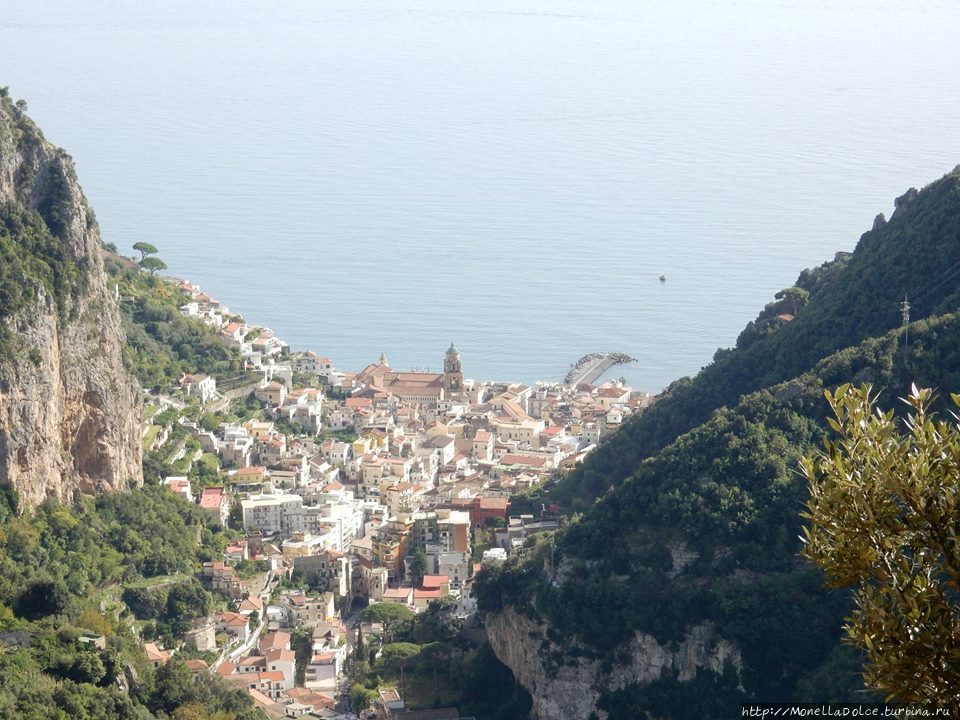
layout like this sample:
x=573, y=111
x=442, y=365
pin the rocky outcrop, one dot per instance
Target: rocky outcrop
x=904, y=201
x=566, y=684
x=69, y=411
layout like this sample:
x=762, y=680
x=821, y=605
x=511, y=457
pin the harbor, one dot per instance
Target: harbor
x=592, y=366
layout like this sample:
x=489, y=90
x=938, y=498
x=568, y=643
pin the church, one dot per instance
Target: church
x=380, y=381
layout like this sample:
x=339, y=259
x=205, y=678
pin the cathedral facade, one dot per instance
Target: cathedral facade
x=379, y=380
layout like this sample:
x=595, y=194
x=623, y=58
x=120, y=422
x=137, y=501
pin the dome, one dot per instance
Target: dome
x=453, y=350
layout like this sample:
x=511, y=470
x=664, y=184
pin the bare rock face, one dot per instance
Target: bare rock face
x=69, y=411
x=566, y=685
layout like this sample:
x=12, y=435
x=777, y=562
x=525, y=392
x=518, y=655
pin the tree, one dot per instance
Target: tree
x=388, y=615
x=42, y=597
x=145, y=248
x=361, y=697
x=416, y=565
x=395, y=656
x=436, y=653
x=794, y=297
x=358, y=650
x=884, y=517
x=153, y=265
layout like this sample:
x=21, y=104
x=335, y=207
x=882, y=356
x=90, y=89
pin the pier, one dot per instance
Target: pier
x=590, y=367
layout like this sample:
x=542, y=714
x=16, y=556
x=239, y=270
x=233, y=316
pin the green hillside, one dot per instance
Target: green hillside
x=691, y=512
x=856, y=296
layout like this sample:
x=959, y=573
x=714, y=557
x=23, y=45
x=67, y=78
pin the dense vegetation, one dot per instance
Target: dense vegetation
x=161, y=343
x=33, y=258
x=65, y=571
x=438, y=663
x=690, y=513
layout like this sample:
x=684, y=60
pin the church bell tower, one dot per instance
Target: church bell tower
x=452, y=370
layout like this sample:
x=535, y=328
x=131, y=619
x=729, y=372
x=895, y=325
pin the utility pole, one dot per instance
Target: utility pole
x=905, y=309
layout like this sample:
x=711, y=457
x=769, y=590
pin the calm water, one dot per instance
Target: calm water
x=364, y=176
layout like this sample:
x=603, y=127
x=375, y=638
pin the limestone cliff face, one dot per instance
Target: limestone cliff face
x=69, y=412
x=566, y=685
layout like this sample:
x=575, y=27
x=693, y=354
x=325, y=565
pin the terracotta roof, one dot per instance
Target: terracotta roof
x=212, y=497
x=251, y=603
x=252, y=470
x=432, y=582
x=281, y=654
x=233, y=619
x=275, y=640
x=259, y=698
x=523, y=460
x=251, y=660
x=494, y=503
x=310, y=697
x=155, y=654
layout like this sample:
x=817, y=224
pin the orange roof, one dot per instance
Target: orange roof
x=275, y=654
x=398, y=593
x=310, y=697
x=212, y=497
x=155, y=654
x=251, y=603
x=275, y=640
x=426, y=594
x=523, y=460
x=251, y=660
x=432, y=582
x=494, y=503
x=252, y=470
x=196, y=665
x=226, y=669
x=259, y=698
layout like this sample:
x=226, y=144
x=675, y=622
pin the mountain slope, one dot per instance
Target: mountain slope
x=915, y=255
x=69, y=412
x=683, y=579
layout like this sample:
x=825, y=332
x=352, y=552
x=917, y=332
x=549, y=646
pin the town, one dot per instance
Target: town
x=351, y=490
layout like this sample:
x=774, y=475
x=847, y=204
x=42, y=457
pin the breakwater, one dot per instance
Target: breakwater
x=591, y=366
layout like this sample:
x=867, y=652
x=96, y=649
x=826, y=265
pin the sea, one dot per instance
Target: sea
x=515, y=176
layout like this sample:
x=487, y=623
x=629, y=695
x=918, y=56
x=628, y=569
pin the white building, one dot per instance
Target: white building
x=270, y=513
x=202, y=387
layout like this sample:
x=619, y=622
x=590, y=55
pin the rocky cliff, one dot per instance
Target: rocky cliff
x=567, y=683
x=69, y=412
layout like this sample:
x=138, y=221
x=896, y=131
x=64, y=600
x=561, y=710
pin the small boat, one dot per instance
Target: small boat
x=663, y=278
